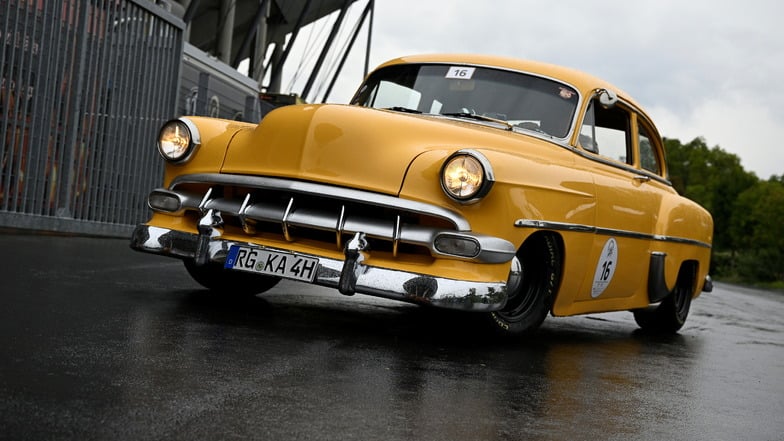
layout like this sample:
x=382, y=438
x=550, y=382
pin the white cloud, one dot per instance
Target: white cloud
x=737, y=126
x=705, y=68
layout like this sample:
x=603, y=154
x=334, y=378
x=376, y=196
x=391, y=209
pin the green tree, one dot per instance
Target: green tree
x=714, y=179
x=758, y=233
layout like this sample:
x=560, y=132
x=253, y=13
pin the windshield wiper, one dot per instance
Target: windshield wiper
x=402, y=109
x=478, y=117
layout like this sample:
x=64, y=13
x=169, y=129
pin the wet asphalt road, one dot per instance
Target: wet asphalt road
x=100, y=342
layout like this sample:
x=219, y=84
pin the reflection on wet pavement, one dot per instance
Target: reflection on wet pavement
x=100, y=342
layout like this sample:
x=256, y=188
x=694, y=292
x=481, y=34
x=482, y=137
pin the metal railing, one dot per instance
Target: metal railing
x=85, y=86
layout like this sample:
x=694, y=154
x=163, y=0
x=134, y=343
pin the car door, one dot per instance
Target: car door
x=627, y=206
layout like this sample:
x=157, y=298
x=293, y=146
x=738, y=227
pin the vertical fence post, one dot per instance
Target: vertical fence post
x=76, y=112
x=74, y=122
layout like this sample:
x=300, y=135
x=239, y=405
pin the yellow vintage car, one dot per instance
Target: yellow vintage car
x=510, y=188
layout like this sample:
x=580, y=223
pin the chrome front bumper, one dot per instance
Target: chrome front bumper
x=349, y=275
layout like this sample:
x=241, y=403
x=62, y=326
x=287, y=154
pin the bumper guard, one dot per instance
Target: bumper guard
x=348, y=276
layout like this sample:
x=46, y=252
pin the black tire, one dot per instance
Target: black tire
x=669, y=316
x=216, y=278
x=540, y=274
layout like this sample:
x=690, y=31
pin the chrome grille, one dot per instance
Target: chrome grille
x=304, y=210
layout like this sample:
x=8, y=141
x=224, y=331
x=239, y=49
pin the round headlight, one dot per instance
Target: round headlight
x=466, y=176
x=177, y=140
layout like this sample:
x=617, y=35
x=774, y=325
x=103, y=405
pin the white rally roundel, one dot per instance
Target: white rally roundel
x=605, y=269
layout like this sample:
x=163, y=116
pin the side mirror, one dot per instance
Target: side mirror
x=607, y=98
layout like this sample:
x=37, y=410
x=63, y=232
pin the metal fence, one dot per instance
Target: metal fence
x=85, y=86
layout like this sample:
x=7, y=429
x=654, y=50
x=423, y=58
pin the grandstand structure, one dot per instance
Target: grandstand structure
x=85, y=86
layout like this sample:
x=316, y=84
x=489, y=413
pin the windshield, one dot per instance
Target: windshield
x=516, y=99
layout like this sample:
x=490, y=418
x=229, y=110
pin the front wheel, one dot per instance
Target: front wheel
x=669, y=316
x=216, y=278
x=533, y=282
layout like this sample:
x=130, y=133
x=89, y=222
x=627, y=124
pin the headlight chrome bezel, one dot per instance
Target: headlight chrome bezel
x=456, y=163
x=190, y=139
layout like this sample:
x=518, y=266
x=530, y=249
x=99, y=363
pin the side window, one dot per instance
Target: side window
x=606, y=132
x=649, y=160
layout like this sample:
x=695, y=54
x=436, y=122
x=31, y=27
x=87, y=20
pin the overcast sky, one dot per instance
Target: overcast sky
x=709, y=68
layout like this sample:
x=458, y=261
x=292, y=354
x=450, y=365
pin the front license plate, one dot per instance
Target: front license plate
x=272, y=263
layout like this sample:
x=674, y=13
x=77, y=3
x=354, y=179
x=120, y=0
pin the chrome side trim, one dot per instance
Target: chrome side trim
x=375, y=281
x=681, y=240
x=580, y=228
x=270, y=183
x=532, y=223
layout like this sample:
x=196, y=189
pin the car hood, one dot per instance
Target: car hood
x=345, y=145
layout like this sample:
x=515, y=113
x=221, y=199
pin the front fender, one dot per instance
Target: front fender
x=216, y=135
x=541, y=187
